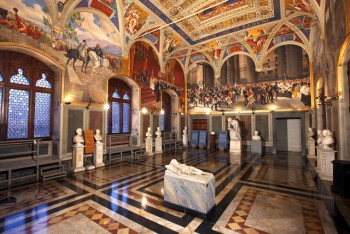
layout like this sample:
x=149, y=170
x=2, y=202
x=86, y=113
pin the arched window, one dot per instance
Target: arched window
x=120, y=113
x=27, y=85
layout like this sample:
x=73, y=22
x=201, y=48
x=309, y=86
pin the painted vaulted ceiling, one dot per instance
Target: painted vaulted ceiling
x=189, y=31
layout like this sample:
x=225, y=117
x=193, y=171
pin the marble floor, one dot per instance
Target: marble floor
x=255, y=193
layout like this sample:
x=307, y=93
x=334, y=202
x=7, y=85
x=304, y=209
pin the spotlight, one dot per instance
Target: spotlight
x=144, y=110
x=106, y=106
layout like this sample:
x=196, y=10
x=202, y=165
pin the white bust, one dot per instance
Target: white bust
x=319, y=137
x=98, y=136
x=185, y=131
x=310, y=134
x=327, y=139
x=233, y=127
x=158, y=133
x=78, y=139
x=148, y=133
x=256, y=136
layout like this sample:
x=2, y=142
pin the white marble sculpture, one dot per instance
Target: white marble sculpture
x=148, y=133
x=78, y=139
x=98, y=136
x=327, y=139
x=319, y=137
x=235, y=130
x=158, y=133
x=180, y=169
x=310, y=134
x=185, y=137
x=256, y=136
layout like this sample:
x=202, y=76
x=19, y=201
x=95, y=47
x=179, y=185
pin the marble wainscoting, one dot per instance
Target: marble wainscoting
x=195, y=194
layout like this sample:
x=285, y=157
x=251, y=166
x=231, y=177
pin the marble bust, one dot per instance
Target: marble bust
x=327, y=139
x=158, y=133
x=185, y=131
x=148, y=133
x=98, y=136
x=183, y=169
x=233, y=127
x=319, y=137
x=78, y=139
x=310, y=134
x=256, y=136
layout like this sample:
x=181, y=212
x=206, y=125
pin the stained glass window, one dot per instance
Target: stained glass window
x=0, y=100
x=162, y=122
x=18, y=114
x=126, y=96
x=1, y=79
x=116, y=117
x=116, y=94
x=126, y=117
x=43, y=83
x=19, y=78
x=42, y=114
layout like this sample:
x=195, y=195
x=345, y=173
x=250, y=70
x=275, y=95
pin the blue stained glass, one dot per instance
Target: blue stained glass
x=19, y=78
x=0, y=100
x=18, y=114
x=43, y=83
x=42, y=115
x=126, y=96
x=126, y=117
x=116, y=94
x=115, y=117
x=1, y=79
x=162, y=120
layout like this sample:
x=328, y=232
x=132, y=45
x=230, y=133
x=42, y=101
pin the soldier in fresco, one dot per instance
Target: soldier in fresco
x=99, y=52
x=82, y=49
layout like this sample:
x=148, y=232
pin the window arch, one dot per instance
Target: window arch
x=120, y=113
x=166, y=117
x=26, y=89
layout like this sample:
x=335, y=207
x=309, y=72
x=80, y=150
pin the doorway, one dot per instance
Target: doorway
x=288, y=135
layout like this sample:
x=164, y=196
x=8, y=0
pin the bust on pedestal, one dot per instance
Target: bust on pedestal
x=235, y=136
x=185, y=137
x=78, y=151
x=256, y=146
x=327, y=155
x=158, y=142
x=311, y=145
x=98, y=151
x=148, y=140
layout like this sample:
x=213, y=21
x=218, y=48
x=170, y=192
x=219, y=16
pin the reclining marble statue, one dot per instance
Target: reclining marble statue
x=183, y=169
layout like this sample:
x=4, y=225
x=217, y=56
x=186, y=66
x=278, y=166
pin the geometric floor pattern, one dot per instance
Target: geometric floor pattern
x=254, y=193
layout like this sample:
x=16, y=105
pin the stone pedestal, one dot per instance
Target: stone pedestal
x=158, y=146
x=311, y=156
x=318, y=160
x=256, y=146
x=149, y=146
x=193, y=194
x=235, y=158
x=327, y=156
x=185, y=140
x=98, y=155
x=78, y=158
x=236, y=146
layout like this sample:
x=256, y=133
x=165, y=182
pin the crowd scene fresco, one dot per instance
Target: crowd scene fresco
x=250, y=95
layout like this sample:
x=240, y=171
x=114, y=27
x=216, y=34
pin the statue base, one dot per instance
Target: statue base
x=256, y=146
x=90, y=167
x=158, y=146
x=185, y=140
x=236, y=146
x=98, y=155
x=194, y=194
x=327, y=156
x=319, y=159
x=311, y=148
x=149, y=146
x=78, y=158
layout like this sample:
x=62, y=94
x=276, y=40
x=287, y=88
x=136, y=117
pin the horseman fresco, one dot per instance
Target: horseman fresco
x=99, y=52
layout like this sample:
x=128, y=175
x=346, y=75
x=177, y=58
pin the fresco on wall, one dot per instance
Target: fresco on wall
x=274, y=88
x=304, y=24
x=256, y=38
x=285, y=33
x=171, y=42
x=134, y=18
x=234, y=47
x=293, y=6
x=213, y=49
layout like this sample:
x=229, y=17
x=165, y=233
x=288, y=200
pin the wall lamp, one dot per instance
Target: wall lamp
x=67, y=103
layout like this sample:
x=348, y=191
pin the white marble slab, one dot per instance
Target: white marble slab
x=236, y=146
x=195, y=192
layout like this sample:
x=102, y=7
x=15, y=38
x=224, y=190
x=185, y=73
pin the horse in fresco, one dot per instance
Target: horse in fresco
x=74, y=54
x=97, y=62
